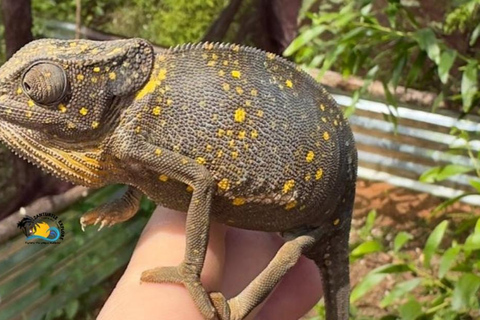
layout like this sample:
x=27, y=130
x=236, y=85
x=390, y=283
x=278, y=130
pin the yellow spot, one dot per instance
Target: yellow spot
x=322, y=107
x=156, y=111
x=324, y=119
x=219, y=153
x=208, y=46
x=225, y=63
x=211, y=63
x=226, y=86
x=240, y=115
x=229, y=133
x=189, y=189
x=308, y=177
x=292, y=204
x=289, y=184
x=202, y=103
x=236, y=74
x=239, y=201
x=248, y=103
x=71, y=125
x=62, y=108
x=224, y=184
x=234, y=154
x=169, y=102
x=30, y=103
x=241, y=134
x=289, y=83
x=260, y=113
x=19, y=90
x=208, y=148
x=158, y=151
x=214, y=56
x=184, y=161
x=95, y=124
x=239, y=90
x=254, y=134
x=236, y=48
x=254, y=92
x=163, y=178
x=318, y=174
x=83, y=111
x=201, y=160
x=28, y=114
x=220, y=132
x=335, y=123
x=80, y=77
x=326, y=136
x=310, y=156
x=94, y=79
x=73, y=44
x=96, y=69
x=176, y=148
x=336, y=222
x=138, y=129
x=112, y=76
x=221, y=73
x=270, y=55
x=231, y=143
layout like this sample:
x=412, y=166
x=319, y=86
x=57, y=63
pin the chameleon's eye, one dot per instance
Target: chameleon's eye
x=45, y=83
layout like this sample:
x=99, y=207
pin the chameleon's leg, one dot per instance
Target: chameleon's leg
x=118, y=210
x=287, y=256
x=188, y=171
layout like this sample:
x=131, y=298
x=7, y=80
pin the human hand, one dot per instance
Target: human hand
x=234, y=258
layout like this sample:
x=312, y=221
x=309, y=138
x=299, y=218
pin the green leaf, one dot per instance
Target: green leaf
x=366, y=248
x=399, y=291
x=72, y=308
x=465, y=292
x=397, y=71
x=451, y=201
x=400, y=240
x=447, y=260
x=475, y=34
x=428, y=42
x=393, y=268
x=304, y=38
x=442, y=173
x=433, y=242
x=446, y=62
x=469, y=84
x=475, y=184
x=473, y=241
x=410, y=310
x=365, y=285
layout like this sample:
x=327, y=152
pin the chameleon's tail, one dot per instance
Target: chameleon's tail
x=332, y=260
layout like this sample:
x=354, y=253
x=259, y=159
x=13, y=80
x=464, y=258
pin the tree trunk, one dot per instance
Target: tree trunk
x=17, y=18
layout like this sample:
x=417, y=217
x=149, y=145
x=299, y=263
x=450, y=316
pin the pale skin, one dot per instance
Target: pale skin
x=234, y=258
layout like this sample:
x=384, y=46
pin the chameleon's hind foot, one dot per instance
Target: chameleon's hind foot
x=221, y=305
x=190, y=280
x=113, y=212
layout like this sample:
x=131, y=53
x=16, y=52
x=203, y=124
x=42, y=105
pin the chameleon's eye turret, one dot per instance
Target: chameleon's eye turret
x=45, y=83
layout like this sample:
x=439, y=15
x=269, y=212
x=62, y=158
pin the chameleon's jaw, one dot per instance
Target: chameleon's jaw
x=80, y=167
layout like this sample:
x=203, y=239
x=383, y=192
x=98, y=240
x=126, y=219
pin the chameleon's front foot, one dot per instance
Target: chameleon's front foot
x=110, y=213
x=190, y=279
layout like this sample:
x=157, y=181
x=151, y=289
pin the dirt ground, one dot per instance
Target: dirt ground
x=398, y=209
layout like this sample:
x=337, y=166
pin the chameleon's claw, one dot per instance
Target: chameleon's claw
x=103, y=224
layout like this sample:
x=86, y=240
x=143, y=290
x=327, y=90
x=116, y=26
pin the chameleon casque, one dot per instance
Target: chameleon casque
x=224, y=132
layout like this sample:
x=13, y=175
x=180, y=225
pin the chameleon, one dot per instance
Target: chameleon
x=223, y=132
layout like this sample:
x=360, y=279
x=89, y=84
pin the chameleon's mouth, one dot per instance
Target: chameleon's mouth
x=80, y=167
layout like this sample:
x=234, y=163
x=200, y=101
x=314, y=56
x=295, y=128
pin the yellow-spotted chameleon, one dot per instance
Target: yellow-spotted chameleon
x=224, y=132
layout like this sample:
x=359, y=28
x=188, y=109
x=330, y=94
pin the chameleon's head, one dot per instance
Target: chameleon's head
x=65, y=89
x=58, y=99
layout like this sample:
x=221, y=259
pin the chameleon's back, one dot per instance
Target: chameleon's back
x=272, y=137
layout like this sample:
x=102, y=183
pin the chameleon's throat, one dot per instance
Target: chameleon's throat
x=83, y=167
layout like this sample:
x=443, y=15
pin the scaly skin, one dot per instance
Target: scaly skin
x=227, y=133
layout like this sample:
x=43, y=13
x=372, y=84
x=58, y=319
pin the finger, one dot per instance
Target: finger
x=162, y=243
